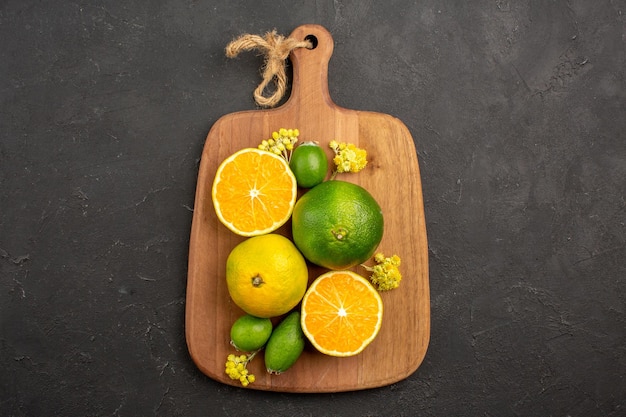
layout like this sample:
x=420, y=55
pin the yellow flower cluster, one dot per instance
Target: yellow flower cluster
x=385, y=274
x=236, y=368
x=348, y=158
x=281, y=143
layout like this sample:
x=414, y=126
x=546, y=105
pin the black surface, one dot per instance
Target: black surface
x=517, y=109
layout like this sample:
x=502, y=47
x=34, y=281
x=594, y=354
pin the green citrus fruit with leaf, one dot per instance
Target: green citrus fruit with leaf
x=266, y=275
x=249, y=333
x=309, y=164
x=337, y=225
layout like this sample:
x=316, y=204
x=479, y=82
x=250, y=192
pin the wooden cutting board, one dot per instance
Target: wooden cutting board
x=392, y=176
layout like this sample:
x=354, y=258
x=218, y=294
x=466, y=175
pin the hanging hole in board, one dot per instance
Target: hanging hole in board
x=312, y=39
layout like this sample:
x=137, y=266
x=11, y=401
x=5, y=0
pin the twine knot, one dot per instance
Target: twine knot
x=276, y=48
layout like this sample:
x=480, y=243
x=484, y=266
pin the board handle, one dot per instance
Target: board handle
x=310, y=67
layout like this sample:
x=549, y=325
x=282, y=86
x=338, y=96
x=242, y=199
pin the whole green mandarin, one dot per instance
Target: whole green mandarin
x=309, y=164
x=250, y=333
x=337, y=225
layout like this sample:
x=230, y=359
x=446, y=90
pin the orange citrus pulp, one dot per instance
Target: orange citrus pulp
x=341, y=313
x=254, y=192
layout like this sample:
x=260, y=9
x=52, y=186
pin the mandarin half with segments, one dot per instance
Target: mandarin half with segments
x=341, y=313
x=254, y=192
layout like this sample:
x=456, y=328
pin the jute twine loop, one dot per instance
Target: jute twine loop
x=276, y=48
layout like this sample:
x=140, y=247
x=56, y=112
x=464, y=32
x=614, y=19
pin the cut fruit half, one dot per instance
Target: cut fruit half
x=254, y=192
x=341, y=313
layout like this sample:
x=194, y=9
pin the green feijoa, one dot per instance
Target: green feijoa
x=309, y=164
x=285, y=345
x=250, y=333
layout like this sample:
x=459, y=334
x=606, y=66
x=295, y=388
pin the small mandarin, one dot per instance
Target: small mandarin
x=309, y=164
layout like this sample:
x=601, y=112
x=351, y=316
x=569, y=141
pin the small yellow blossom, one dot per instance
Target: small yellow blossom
x=385, y=274
x=281, y=142
x=235, y=368
x=348, y=158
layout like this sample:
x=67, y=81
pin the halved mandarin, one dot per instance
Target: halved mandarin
x=254, y=192
x=341, y=313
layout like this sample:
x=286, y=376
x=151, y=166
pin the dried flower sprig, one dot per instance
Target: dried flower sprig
x=236, y=368
x=386, y=273
x=281, y=143
x=348, y=158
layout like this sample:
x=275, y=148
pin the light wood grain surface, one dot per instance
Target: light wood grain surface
x=392, y=177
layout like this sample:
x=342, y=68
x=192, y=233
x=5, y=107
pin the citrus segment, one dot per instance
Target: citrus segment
x=341, y=313
x=254, y=192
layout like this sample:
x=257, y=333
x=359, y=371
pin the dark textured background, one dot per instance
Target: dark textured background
x=517, y=109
